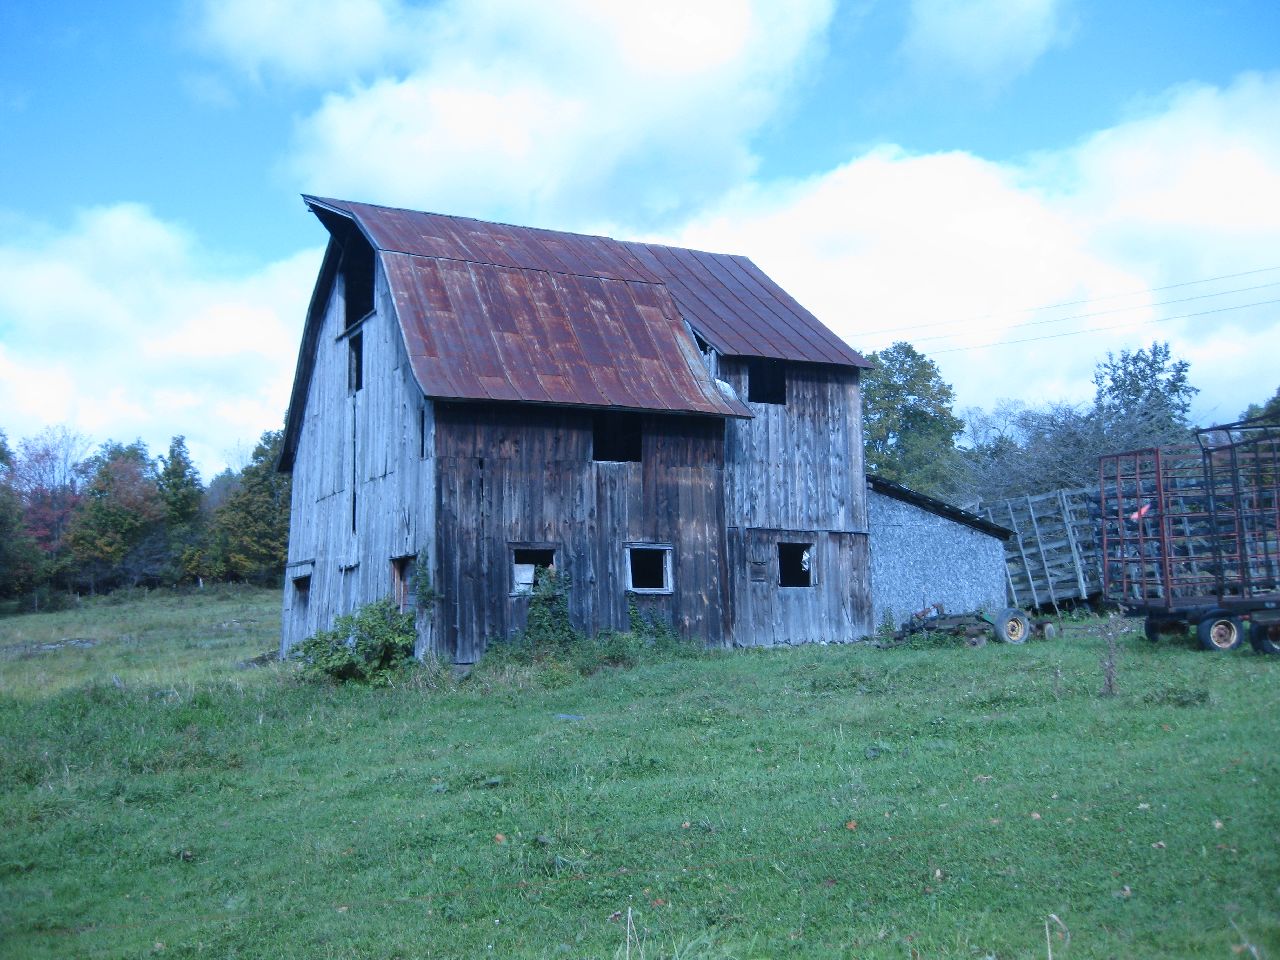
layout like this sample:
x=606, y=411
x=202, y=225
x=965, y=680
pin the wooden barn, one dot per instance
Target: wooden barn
x=666, y=426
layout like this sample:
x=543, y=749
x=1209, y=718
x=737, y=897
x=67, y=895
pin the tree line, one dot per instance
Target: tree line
x=75, y=519
x=1142, y=398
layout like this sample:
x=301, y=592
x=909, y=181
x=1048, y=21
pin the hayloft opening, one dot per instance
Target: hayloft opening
x=527, y=563
x=649, y=569
x=616, y=437
x=357, y=278
x=795, y=564
x=766, y=380
x=355, y=362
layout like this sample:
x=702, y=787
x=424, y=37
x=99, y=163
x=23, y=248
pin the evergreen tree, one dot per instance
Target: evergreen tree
x=183, y=495
x=1143, y=397
x=1270, y=410
x=20, y=557
x=251, y=527
x=909, y=428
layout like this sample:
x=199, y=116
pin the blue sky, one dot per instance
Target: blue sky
x=930, y=170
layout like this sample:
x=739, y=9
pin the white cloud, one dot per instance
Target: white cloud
x=541, y=113
x=987, y=40
x=303, y=41
x=115, y=327
x=899, y=246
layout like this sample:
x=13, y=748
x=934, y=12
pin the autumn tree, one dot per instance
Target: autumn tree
x=117, y=530
x=251, y=527
x=48, y=474
x=908, y=425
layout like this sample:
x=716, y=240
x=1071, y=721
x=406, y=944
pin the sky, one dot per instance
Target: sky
x=1017, y=187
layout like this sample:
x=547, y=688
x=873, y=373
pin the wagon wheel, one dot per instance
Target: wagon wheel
x=1012, y=626
x=1221, y=632
x=1265, y=637
x=976, y=640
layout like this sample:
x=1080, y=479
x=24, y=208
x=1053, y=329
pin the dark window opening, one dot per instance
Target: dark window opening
x=355, y=362
x=527, y=564
x=616, y=437
x=766, y=380
x=403, y=573
x=795, y=564
x=649, y=569
x=357, y=279
x=301, y=592
x=703, y=346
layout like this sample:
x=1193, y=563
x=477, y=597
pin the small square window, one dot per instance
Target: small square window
x=616, y=437
x=795, y=564
x=526, y=564
x=404, y=571
x=648, y=569
x=301, y=592
x=766, y=380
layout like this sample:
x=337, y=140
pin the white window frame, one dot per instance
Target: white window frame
x=668, y=567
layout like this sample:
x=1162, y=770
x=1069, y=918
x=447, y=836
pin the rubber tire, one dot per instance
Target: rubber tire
x=1049, y=631
x=1012, y=626
x=1265, y=637
x=1228, y=629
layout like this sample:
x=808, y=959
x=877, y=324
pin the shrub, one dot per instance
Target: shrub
x=368, y=646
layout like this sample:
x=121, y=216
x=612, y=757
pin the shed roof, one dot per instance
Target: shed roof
x=935, y=506
x=727, y=300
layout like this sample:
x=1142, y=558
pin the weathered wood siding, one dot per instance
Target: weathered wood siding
x=795, y=473
x=919, y=558
x=523, y=475
x=833, y=609
x=369, y=442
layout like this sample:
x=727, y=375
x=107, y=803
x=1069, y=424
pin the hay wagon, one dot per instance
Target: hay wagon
x=1189, y=535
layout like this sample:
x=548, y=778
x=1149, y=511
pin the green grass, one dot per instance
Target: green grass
x=811, y=802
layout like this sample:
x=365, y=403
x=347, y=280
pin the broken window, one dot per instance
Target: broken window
x=795, y=564
x=766, y=380
x=301, y=592
x=649, y=569
x=527, y=563
x=403, y=574
x=616, y=437
x=355, y=362
x=357, y=279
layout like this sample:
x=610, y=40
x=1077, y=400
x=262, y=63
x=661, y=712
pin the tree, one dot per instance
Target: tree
x=182, y=495
x=117, y=531
x=1143, y=397
x=48, y=475
x=1270, y=409
x=251, y=527
x=909, y=429
x=20, y=558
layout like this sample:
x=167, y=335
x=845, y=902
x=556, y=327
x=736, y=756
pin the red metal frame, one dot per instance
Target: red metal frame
x=1194, y=527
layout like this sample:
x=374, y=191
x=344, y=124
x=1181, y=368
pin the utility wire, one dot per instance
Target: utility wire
x=1076, y=303
x=1103, y=313
x=1121, y=326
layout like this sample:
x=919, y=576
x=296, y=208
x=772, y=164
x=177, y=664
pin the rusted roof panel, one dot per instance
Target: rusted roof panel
x=480, y=331
x=727, y=299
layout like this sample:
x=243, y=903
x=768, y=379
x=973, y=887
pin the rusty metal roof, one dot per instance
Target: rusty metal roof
x=494, y=311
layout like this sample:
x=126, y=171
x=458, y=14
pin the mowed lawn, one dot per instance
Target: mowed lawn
x=163, y=795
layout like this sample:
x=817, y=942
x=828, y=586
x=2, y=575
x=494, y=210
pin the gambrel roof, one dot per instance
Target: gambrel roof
x=498, y=312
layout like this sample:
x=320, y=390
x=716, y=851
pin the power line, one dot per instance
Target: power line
x=1121, y=326
x=1076, y=303
x=1103, y=313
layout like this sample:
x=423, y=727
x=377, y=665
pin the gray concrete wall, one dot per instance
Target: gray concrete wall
x=919, y=558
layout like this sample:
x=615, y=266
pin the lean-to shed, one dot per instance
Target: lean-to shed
x=474, y=401
x=926, y=551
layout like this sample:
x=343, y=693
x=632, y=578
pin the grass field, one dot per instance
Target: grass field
x=162, y=795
